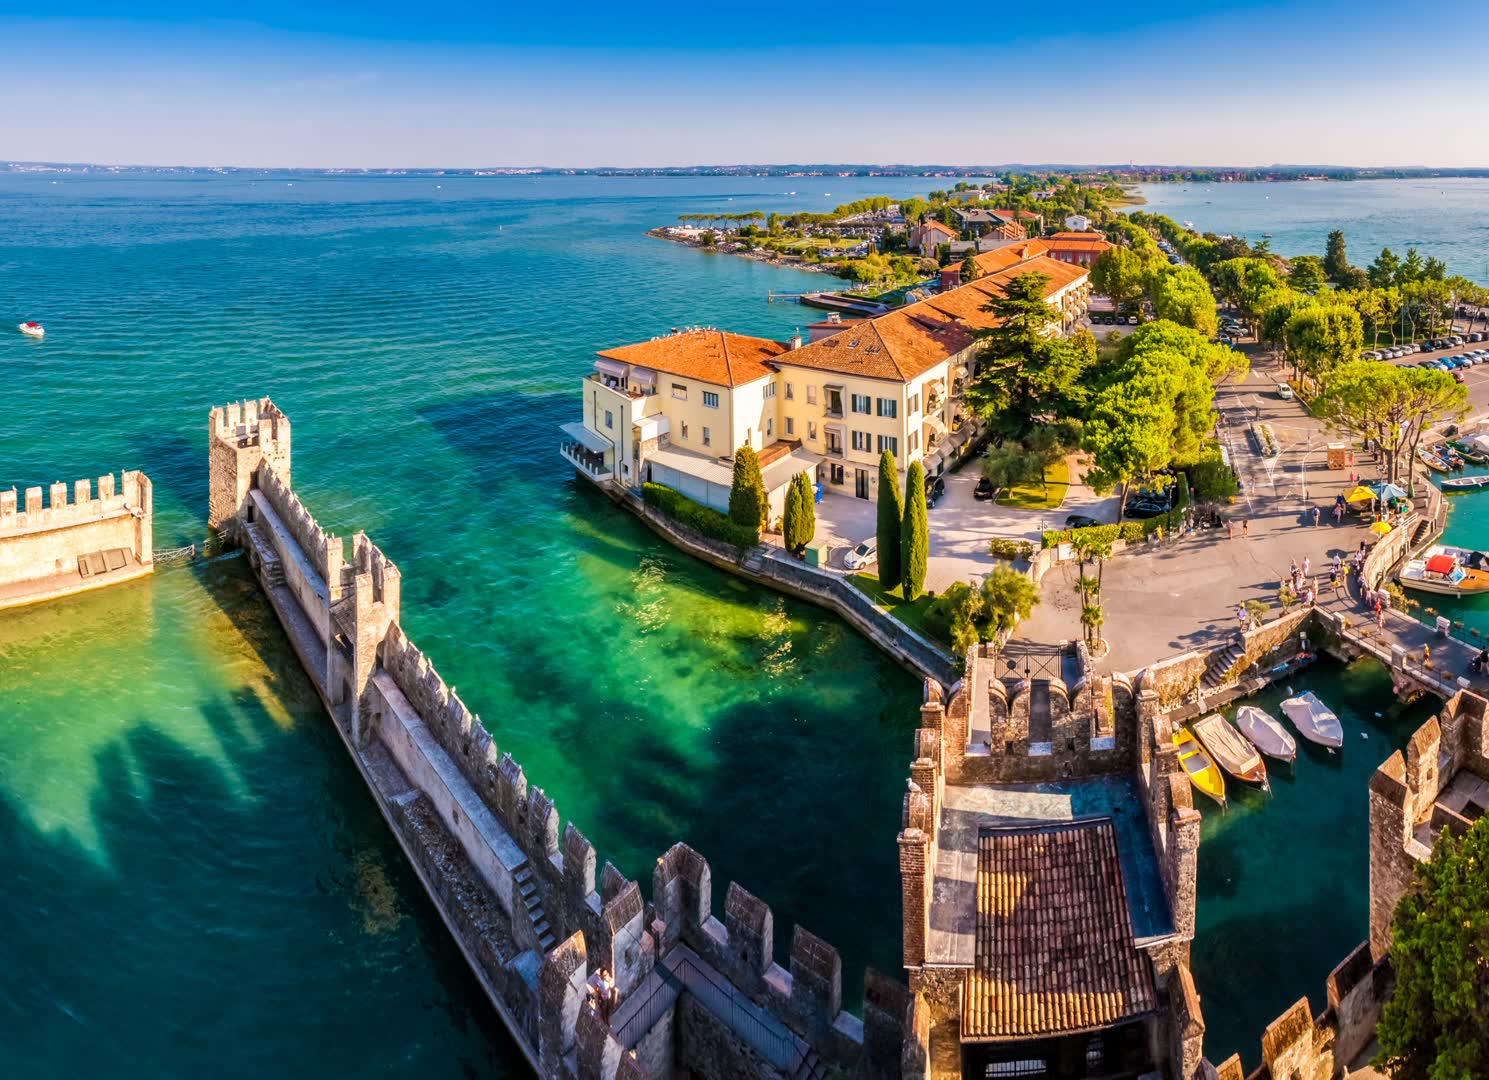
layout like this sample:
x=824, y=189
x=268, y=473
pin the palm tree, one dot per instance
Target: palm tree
x=1091, y=620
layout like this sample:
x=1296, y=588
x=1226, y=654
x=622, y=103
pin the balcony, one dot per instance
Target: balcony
x=586, y=451
x=636, y=393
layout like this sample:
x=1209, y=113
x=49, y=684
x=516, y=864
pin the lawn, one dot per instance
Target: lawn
x=911, y=614
x=1034, y=497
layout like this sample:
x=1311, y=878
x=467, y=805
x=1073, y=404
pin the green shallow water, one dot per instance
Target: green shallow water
x=1284, y=877
x=196, y=865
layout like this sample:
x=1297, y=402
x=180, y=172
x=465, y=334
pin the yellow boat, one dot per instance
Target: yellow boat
x=1203, y=773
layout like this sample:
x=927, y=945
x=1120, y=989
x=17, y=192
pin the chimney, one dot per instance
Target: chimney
x=796, y=341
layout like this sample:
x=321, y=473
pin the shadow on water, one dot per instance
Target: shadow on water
x=267, y=895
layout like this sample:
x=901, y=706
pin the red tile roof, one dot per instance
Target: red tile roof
x=712, y=356
x=1055, y=952
x=947, y=229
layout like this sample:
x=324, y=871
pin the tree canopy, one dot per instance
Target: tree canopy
x=1436, y=1024
x=1182, y=295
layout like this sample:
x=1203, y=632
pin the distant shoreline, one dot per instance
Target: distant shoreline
x=768, y=258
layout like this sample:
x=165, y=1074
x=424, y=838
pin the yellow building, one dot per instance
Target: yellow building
x=675, y=409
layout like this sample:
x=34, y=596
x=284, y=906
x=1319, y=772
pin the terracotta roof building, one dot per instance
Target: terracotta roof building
x=1082, y=249
x=1055, y=952
x=713, y=356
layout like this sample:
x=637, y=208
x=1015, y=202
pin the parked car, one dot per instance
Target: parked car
x=1080, y=521
x=1284, y=391
x=1477, y=335
x=1458, y=377
x=1147, y=503
x=983, y=490
x=1132, y=320
x=862, y=555
x=935, y=487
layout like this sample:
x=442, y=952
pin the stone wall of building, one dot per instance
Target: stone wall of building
x=41, y=539
x=240, y=436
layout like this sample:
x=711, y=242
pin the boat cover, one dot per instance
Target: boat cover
x=1266, y=733
x=1314, y=719
x=1440, y=564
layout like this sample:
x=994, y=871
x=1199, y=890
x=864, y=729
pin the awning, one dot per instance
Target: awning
x=652, y=427
x=643, y=376
x=586, y=438
x=931, y=463
x=779, y=473
x=612, y=367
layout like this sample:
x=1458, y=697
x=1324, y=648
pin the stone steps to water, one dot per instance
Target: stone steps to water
x=1220, y=665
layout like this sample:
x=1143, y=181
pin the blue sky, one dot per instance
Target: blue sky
x=464, y=84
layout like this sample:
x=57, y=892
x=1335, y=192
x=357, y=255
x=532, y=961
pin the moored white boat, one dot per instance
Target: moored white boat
x=1231, y=752
x=1465, y=483
x=1433, y=462
x=1266, y=733
x=32, y=329
x=1315, y=720
x=1448, y=571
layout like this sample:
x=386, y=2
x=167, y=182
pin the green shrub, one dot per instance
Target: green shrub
x=889, y=511
x=800, y=522
x=1000, y=548
x=696, y=516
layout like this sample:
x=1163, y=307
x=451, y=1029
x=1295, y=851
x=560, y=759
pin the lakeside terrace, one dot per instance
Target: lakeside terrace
x=677, y=407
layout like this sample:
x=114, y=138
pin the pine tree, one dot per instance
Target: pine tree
x=888, y=532
x=915, y=540
x=747, y=502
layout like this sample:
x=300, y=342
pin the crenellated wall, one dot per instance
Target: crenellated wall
x=527, y=900
x=55, y=547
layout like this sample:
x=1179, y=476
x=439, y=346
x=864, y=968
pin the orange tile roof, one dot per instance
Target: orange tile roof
x=1008, y=254
x=1086, y=234
x=1078, y=242
x=1054, y=945
x=910, y=340
x=712, y=356
x=947, y=229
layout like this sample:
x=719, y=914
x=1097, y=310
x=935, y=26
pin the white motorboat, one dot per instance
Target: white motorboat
x=1314, y=719
x=1266, y=733
x=32, y=329
x=1450, y=571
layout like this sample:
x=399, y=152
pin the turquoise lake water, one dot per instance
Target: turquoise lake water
x=1443, y=217
x=196, y=879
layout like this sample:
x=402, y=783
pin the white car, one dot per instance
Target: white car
x=862, y=555
x=1284, y=391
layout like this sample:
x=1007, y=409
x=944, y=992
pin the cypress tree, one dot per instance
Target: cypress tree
x=888, y=532
x=915, y=540
x=801, y=516
x=747, y=502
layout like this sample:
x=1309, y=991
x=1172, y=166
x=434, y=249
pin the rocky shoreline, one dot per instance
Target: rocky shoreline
x=768, y=258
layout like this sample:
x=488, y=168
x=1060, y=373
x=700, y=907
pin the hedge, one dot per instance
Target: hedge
x=1131, y=531
x=696, y=516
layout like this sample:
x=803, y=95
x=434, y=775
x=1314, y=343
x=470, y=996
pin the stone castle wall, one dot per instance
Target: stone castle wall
x=526, y=899
x=41, y=540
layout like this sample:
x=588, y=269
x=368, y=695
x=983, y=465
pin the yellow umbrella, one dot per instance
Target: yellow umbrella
x=1380, y=528
x=1359, y=494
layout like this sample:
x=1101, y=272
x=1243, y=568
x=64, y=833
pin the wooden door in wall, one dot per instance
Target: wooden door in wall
x=861, y=483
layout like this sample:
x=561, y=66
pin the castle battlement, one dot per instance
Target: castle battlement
x=327, y=553
x=133, y=496
x=252, y=422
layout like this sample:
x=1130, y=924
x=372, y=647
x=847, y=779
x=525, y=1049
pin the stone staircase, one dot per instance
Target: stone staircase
x=532, y=902
x=270, y=564
x=1220, y=665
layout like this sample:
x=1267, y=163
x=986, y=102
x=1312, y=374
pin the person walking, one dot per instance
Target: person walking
x=1230, y=530
x=1245, y=528
x=1306, y=563
x=1315, y=517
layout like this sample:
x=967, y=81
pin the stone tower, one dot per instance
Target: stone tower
x=243, y=434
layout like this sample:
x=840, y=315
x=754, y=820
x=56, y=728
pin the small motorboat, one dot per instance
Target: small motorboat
x=1451, y=571
x=1266, y=733
x=32, y=329
x=1233, y=753
x=1450, y=456
x=1465, y=483
x=1433, y=461
x=1199, y=766
x=1470, y=452
x=1314, y=719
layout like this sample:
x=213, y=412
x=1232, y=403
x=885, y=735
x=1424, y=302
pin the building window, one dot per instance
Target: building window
x=862, y=403
x=790, y=392
x=770, y=390
x=861, y=440
x=707, y=437
x=811, y=431
x=770, y=428
x=609, y=419
x=811, y=394
x=914, y=404
x=710, y=399
x=835, y=473
x=790, y=426
x=680, y=391
x=890, y=443
x=888, y=407
x=684, y=429
x=914, y=441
